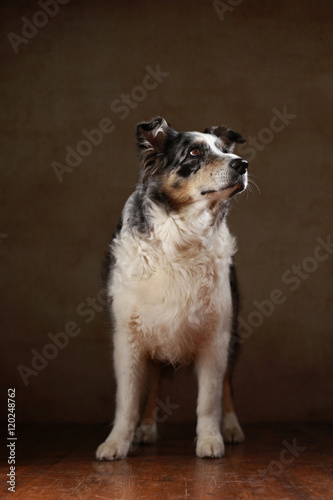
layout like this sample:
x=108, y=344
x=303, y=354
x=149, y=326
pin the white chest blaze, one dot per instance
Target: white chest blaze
x=171, y=289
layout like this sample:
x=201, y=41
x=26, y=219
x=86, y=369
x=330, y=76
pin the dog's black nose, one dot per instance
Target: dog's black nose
x=239, y=165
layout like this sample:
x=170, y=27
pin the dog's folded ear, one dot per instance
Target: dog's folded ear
x=153, y=133
x=228, y=136
x=151, y=138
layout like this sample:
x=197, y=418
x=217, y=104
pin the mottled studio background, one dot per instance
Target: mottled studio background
x=240, y=65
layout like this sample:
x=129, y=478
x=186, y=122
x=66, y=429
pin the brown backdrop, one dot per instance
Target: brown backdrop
x=263, y=68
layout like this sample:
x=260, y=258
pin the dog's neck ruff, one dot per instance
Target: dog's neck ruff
x=184, y=229
x=190, y=236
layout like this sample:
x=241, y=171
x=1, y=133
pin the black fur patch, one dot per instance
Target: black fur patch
x=161, y=198
x=234, y=341
x=187, y=169
x=109, y=259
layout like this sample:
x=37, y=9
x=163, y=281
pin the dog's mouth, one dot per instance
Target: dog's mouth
x=236, y=187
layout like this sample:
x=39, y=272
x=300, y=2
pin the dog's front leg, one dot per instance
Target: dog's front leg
x=130, y=369
x=210, y=366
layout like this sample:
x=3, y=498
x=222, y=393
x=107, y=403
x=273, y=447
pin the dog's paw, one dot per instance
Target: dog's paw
x=231, y=430
x=210, y=447
x=146, y=432
x=112, y=450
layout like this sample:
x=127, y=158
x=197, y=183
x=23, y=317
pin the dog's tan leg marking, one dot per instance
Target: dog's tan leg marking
x=147, y=431
x=231, y=430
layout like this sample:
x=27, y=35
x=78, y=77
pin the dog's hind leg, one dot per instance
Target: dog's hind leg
x=147, y=430
x=231, y=430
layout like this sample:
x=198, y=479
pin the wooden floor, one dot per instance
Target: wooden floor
x=284, y=462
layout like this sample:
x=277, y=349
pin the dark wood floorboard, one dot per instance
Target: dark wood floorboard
x=275, y=462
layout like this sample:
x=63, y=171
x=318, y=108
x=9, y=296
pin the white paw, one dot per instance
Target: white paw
x=231, y=430
x=210, y=447
x=146, y=432
x=112, y=450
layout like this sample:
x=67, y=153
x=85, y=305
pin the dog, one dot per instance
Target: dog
x=171, y=283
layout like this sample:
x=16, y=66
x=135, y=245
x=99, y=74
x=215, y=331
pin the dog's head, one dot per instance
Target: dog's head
x=188, y=167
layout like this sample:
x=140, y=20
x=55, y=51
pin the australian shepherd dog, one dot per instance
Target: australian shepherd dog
x=171, y=283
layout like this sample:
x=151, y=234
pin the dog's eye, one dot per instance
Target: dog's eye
x=195, y=152
x=224, y=150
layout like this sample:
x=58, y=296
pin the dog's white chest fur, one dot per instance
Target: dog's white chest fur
x=171, y=289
